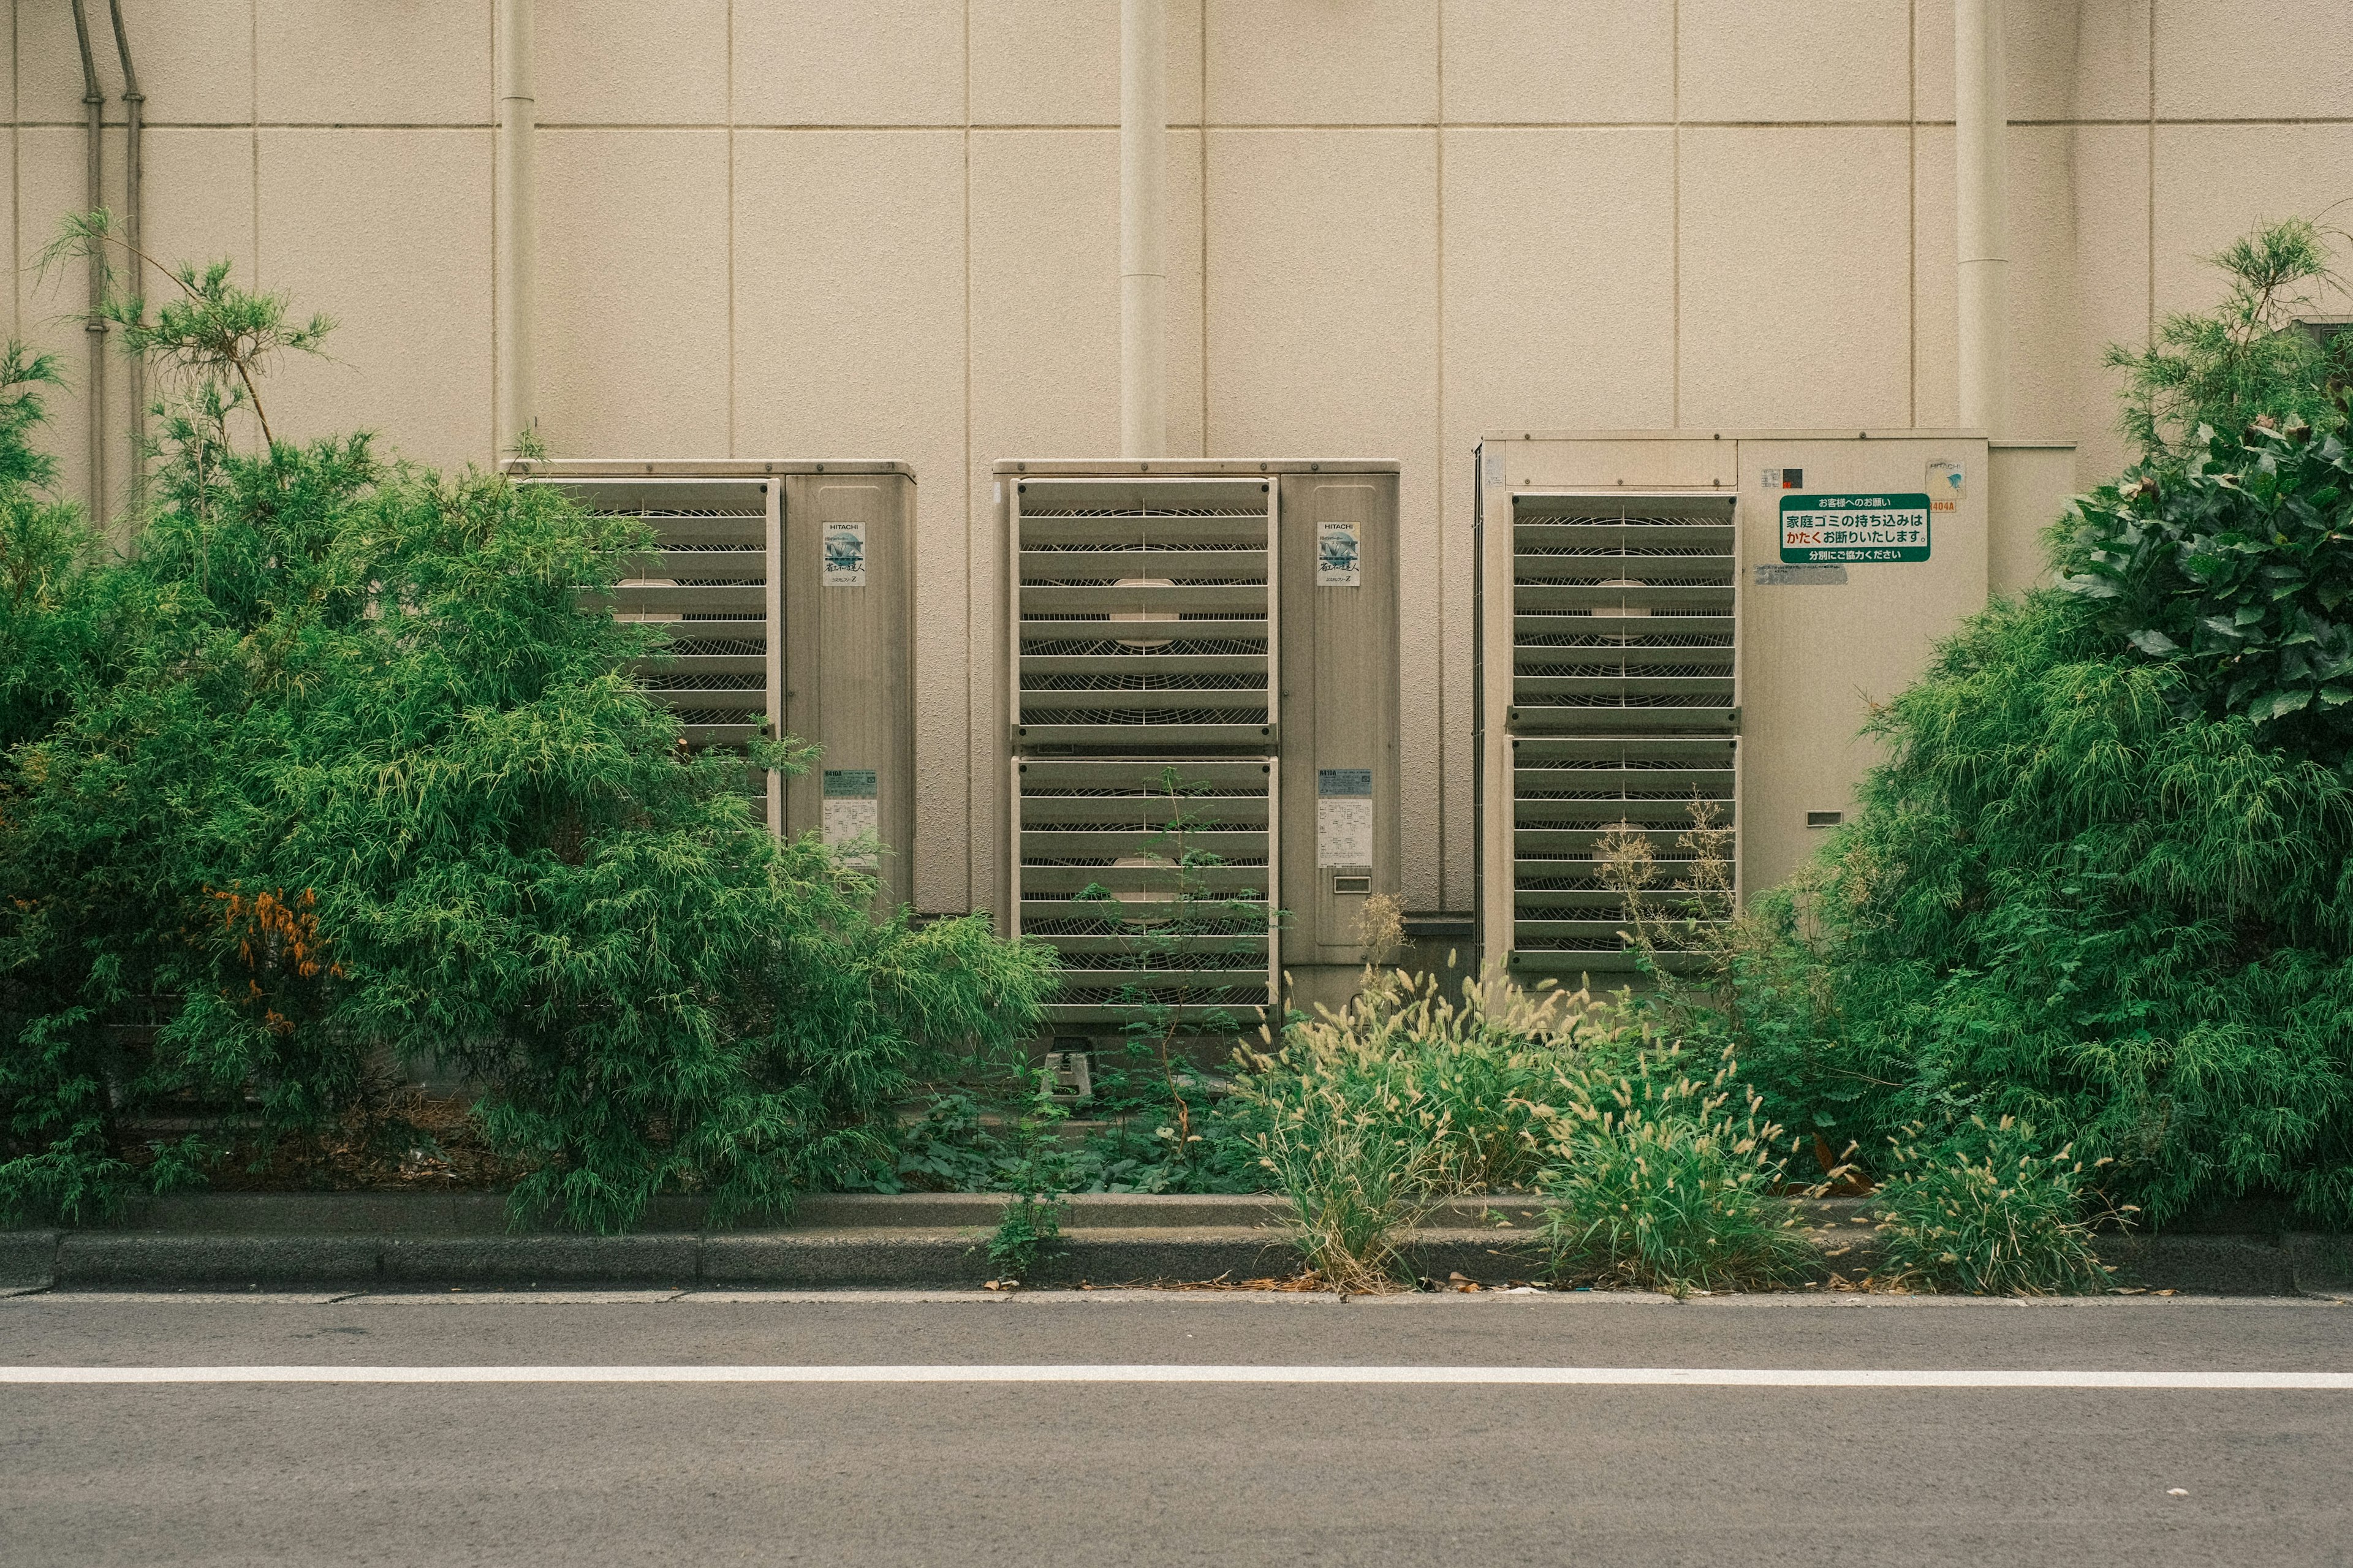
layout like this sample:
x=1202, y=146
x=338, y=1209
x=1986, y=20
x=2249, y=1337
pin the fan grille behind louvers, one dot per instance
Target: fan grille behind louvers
x=706, y=585
x=1623, y=721
x=1097, y=877
x=1144, y=618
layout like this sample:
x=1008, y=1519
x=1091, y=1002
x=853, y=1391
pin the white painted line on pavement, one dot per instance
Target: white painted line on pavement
x=1603, y=1376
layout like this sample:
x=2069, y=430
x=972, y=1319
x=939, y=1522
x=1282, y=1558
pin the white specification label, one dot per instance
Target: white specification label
x=1344, y=818
x=854, y=816
x=844, y=555
x=1337, y=556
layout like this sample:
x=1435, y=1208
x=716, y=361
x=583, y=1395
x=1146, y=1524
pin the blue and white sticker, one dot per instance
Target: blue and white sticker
x=844, y=555
x=1339, y=563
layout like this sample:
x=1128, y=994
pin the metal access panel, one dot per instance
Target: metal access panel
x=820, y=649
x=1623, y=711
x=1659, y=625
x=1339, y=711
x=1208, y=612
x=1154, y=880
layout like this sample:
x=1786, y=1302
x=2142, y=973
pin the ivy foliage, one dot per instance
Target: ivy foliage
x=341, y=769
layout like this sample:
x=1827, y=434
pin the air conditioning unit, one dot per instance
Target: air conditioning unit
x=1679, y=639
x=1198, y=673
x=787, y=588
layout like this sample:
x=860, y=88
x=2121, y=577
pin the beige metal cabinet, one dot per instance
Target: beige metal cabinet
x=790, y=588
x=1671, y=618
x=1197, y=666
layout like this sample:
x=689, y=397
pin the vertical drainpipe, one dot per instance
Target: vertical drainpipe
x=1980, y=140
x=94, y=108
x=516, y=204
x=1143, y=228
x=134, y=106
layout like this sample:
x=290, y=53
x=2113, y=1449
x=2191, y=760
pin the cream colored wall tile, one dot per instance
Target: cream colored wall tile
x=1323, y=341
x=1045, y=295
x=1322, y=286
x=1056, y=62
x=365, y=62
x=1935, y=284
x=2111, y=281
x=2253, y=59
x=198, y=200
x=2069, y=59
x=2044, y=338
x=2215, y=182
x=194, y=59
x=407, y=274
x=1323, y=62
x=2043, y=305
x=877, y=62
x=1795, y=59
x=1188, y=367
x=1795, y=290
x=633, y=293
x=1559, y=281
x=1559, y=60
x=849, y=313
x=623, y=62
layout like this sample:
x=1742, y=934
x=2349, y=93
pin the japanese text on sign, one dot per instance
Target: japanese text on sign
x=1823, y=529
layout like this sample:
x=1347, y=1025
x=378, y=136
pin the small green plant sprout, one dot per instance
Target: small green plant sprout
x=1666, y=1181
x=1031, y=1224
x=213, y=334
x=1985, y=1212
x=1184, y=933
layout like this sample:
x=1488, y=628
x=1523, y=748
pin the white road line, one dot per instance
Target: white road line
x=1603, y=1376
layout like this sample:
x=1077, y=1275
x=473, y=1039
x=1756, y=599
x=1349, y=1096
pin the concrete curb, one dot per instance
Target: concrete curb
x=396, y=1240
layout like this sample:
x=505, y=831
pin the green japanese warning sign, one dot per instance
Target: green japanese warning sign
x=1826, y=530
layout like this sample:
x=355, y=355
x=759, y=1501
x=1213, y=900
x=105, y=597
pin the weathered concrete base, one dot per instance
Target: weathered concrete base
x=376, y=1241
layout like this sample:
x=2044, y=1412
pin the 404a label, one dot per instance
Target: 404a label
x=1825, y=530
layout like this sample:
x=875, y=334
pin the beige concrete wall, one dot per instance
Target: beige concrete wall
x=889, y=229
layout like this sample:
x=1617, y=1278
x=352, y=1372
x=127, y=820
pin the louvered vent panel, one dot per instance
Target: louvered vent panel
x=1144, y=616
x=707, y=586
x=1624, y=650
x=1097, y=877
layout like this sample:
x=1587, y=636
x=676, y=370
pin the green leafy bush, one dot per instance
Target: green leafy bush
x=1667, y=1180
x=2235, y=569
x=1985, y=1212
x=347, y=772
x=2102, y=883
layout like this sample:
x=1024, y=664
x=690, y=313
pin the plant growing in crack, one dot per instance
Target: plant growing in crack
x=1181, y=931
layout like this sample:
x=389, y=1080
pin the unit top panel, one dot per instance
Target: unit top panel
x=1192, y=467
x=697, y=467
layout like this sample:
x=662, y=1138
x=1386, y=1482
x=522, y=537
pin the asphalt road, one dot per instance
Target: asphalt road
x=958, y=1473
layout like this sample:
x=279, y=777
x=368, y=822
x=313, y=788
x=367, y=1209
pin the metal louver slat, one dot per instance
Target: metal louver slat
x=1153, y=879
x=704, y=584
x=1143, y=616
x=1622, y=721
